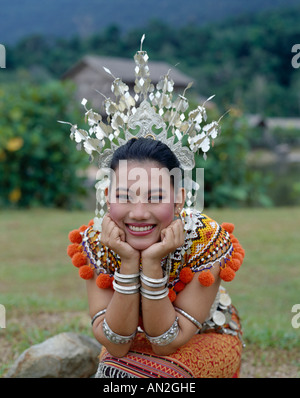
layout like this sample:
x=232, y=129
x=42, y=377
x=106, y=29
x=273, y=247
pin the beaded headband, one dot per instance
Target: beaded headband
x=152, y=113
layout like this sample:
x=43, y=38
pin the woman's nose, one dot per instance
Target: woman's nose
x=139, y=211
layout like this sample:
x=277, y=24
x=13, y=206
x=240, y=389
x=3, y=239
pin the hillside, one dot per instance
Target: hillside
x=66, y=18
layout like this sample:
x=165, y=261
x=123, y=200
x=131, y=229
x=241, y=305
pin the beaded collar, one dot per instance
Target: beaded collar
x=206, y=244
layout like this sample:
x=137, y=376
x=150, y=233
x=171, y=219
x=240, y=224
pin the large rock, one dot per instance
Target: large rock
x=62, y=356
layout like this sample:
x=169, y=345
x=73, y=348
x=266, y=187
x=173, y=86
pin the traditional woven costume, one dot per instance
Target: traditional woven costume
x=215, y=350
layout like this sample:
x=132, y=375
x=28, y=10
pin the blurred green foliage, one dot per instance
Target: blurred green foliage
x=228, y=179
x=38, y=163
x=244, y=60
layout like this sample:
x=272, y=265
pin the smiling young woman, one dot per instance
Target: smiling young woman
x=154, y=273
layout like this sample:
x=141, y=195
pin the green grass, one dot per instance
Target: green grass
x=43, y=294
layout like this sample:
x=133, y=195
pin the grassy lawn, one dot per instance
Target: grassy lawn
x=43, y=295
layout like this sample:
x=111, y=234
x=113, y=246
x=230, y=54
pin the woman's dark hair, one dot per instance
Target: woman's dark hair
x=143, y=149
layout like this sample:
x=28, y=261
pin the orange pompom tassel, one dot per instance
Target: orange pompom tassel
x=179, y=286
x=72, y=249
x=104, y=281
x=186, y=275
x=82, y=228
x=75, y=236
x=206, y=278
x=239, y=249
x=228, y=227
x=233, y=239
x=238, y=256
x=85, y=272
x=172, y=295
x=227, y=274
x=91, y=223
x=234, y=264
x=79, y=259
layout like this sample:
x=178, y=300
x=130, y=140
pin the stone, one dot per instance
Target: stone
x=66, y=355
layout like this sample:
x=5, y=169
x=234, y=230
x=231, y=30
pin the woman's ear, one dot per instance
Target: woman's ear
x=180, y=199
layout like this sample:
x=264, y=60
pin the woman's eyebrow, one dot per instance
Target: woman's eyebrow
x=160, y=190
x=121, y=189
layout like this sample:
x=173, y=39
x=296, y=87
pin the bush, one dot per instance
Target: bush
x=228, y=179
x=38, y=163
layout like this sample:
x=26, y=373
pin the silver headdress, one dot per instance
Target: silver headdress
x=150, y=113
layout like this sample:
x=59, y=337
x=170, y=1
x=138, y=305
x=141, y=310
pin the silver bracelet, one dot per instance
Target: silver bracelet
x=123, y=278
x=189, y=317
x=154, y=294
x=126, y=289
x=151, y=282
x=114, y=337
x=167, y=337
x=97, y=316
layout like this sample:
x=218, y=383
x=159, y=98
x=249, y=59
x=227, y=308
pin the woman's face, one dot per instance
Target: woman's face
x=142, y=202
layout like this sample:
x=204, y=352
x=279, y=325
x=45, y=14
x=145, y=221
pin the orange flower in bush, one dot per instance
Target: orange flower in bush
x=85, y=272
x=186, y=275
x=206, y=278
x=79, y=259
x=104, y=281
x=75, y=236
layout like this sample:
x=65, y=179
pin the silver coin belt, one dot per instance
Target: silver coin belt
x=220, y=318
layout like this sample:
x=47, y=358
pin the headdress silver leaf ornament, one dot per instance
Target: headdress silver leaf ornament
x=152, y=113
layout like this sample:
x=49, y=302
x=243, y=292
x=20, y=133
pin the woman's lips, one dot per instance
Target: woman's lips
x=140, y=229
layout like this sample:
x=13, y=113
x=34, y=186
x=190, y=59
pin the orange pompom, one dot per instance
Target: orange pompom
x=82, y=228
x=91, y=223
x=228, y=227
x=234, y=264
x=85, y=272
x=79, y=259
x=179, y=286
x=186, y=275
x=104, y=281
x=239, y=249
x=172, y=295
x=206, y=278
x=238, y=256
x=72, y=249
x=227, y=274
x=233, y=239
x=75, y=236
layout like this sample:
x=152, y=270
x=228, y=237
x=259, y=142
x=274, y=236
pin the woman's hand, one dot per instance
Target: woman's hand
x=172, y=237
x=114, y=237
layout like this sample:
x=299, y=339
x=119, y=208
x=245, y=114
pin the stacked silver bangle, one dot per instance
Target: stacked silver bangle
x=154, y=283
x=126, y=280
x=123, y=284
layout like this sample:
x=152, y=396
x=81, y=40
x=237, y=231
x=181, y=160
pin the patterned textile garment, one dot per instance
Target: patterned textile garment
x=213, y=352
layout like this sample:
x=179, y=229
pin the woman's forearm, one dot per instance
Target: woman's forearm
x=158, y=314
x=122, y=313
